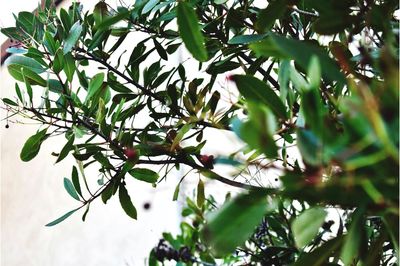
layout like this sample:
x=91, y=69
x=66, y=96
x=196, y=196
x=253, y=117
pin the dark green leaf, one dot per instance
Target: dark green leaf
x=9, y=102
x=266, y=17
x=75, y=180
x=126, y=202
x=189, y=31
x=69, y=146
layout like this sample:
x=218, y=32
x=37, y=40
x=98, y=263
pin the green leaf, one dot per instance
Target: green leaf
x=9, y=102
x=98, y=37
x=27, y=85
x=257, y=132
x=69, y=187
x=200, y=193
x=94, y=86
x=180, y=135
x=100, y=12
x=75, y=180
x=234, y=223
x=300, y=51
x=22, y=74
x=247, y=38
x=69, y=66
x=126, y=202
x=320, y=255
x=189, y=31
x=266, y=17
x=62, y=218
x=311, y=147
x=69, y=146
x=306, y=226
x=32, y=145
x=24, y=62
x=145, y=175
x=107, y=192
x=332, y=23
x=109, y=21
x=314, y=73
x=73, y=37
x=258, y=91
x=354, y=238
x=149, y=6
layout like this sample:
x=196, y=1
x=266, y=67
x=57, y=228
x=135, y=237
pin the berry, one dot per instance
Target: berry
x=131, y=154
x=207, y=161
x=146, y=206
x=7, y=126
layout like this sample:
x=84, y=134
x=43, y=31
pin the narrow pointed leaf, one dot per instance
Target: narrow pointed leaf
x=69, y=187
x=62, y=218
x=189, y=31
x=126, y=202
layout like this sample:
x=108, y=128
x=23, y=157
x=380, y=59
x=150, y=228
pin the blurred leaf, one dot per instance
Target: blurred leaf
x=247, y=38
x=189, y=31
x=266, y=17
x=200, y=193
x=234, y=223
x=300, y=51
x=109, y=21
x=354, y=238
x=306, y=226
x=320, y=255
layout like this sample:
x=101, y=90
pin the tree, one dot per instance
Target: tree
x=317, y=76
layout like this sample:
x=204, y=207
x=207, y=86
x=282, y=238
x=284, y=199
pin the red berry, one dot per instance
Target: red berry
x=207, y=161
x=131, y=154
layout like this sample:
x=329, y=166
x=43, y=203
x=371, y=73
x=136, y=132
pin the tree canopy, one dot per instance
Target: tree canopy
x=309, y=87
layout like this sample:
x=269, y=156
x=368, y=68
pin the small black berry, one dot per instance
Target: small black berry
x=146, y=206
x=7, y=126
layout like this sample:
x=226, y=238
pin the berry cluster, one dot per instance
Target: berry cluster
x=165, y=252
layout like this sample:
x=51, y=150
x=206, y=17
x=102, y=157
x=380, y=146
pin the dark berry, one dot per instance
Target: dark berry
x=146, y=206
x=7, y=126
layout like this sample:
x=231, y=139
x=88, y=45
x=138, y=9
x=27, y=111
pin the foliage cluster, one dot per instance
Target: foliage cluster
x=317, y=76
